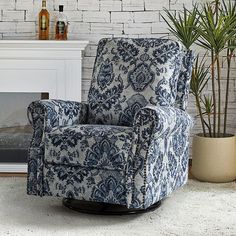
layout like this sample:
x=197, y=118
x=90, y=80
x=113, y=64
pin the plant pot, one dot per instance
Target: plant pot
x=214, y=159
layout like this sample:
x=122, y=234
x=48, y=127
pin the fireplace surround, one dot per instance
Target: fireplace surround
x=30, y=66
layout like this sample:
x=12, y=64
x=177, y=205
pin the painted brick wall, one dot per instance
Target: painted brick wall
x=93, y=19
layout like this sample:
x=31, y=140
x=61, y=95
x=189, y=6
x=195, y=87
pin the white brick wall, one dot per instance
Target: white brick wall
x=93, y=19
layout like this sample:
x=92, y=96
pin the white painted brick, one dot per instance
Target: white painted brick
x=31, y=15
x=90, y=5
x=7, y=27
x=13, y=15
x=137, y=28
x=88, y=62
x=79, y=28
x=109, y=28
x=7, y=4
x=122, y=17
x=133, y=5
x=74, y=16
x=85, y=87
x=68, y=4
x=24, y=4
x=178, y=4
x=107, y=5
x=87, y=73
x=86, y=84
x=160, y=28
x=94, y=38
x=156, y=4
x=25, y=27
x=96, y=16
x=90, y=50
x=146, y=16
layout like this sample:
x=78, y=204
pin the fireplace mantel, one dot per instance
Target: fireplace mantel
x=42, y=66
x=39, y=49
x=33, y=66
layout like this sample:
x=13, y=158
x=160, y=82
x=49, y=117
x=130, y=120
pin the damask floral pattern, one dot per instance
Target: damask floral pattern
x=129, y=145
x=140, y=77
x=135, y=103
x=105, y=153
x=106, y=101
x=183, y=84
x=109, y=190
x=105, y=75
x=89, y=146
x=148, y=67
x=165, y=52
x=126, y=50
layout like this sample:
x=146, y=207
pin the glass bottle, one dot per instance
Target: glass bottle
x=61, y=25
x=44, y=19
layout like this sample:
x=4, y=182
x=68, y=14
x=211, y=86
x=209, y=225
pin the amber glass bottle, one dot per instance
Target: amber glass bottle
x=61, y=25
x=44, y=19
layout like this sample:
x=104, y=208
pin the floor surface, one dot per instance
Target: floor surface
x=197, y=209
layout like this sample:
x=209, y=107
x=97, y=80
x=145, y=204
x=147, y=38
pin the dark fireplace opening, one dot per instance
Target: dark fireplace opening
x=15, y=139
x=14, y=143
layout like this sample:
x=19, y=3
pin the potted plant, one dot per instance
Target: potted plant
x=212, y=27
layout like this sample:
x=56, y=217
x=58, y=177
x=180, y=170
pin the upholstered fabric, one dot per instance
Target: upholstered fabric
x=130, y=74
x=161, y=159
x=183, y=84
x=134, y=161
x=106, y=147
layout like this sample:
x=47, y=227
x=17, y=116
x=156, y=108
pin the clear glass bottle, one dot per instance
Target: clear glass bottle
x=61, y=25
x=44, y=19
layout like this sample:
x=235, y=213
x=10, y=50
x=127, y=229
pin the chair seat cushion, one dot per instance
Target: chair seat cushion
x=95, y=146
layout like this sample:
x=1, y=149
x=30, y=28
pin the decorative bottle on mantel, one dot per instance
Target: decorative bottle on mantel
x=61, y=25
x=44, y=19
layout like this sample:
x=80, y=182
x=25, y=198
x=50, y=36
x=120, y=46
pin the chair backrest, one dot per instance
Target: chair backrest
x=132, y=73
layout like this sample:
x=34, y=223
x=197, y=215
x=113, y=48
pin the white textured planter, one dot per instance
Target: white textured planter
x=214, y=159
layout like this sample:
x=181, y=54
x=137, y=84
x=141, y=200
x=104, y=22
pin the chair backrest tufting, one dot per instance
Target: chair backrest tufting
x=132, y=73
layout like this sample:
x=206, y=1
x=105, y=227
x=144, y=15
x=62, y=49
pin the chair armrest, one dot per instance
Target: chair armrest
x=160, y=120
x=160, y=161
x=44, y=115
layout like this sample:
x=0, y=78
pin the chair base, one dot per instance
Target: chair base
x=98, y=208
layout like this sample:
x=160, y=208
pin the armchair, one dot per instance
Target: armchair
x=128, y=146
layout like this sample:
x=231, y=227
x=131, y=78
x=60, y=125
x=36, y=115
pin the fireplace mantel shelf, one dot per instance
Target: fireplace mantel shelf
x=35, y=49
x=34, y=66
x=39, y=44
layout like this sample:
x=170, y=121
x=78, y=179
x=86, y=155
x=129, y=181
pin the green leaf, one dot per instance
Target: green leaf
x=215, y=32
x=183, y=25
x=200, y=76
x=208, y=105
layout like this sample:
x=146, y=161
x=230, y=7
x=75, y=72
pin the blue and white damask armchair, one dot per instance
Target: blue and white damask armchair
x=128, y=145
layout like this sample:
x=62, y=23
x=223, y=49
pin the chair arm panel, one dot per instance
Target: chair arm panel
x=162, y=136
x=44, y=115
x=155, y=121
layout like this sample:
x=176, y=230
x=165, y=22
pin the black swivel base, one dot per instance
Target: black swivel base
x=104, y=208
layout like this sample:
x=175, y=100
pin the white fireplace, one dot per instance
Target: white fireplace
x=53, y=67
